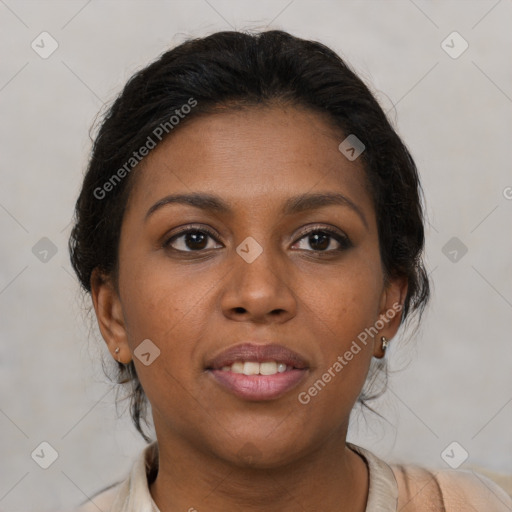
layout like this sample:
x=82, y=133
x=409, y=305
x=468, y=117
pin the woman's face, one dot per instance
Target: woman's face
x=257, y=269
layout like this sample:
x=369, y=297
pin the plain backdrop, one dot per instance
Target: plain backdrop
x=453, y=381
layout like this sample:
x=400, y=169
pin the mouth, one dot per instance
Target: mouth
x=257, y=372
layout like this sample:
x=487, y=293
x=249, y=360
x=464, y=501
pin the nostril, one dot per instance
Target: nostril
x=239, y=310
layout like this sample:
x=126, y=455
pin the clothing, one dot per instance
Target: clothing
x=391, y=488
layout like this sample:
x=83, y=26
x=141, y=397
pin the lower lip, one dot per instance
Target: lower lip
x=258, y=387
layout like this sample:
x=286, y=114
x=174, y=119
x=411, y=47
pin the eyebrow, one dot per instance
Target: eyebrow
x=297, y=204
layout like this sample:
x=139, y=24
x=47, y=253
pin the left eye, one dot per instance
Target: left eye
x=322, y=240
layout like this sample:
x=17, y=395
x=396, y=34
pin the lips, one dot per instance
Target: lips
x=258, y=354
x=257, y=372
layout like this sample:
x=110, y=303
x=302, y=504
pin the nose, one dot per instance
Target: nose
x=258, y=291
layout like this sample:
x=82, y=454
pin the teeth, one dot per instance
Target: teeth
x=281, y=367
x=255, y=368
x=237, y=367
x=269, y=368
x=251, y=368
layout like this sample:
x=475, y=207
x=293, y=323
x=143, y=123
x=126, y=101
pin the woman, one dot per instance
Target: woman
x=250, y=230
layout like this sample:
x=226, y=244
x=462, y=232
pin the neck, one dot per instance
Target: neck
x=332, y=478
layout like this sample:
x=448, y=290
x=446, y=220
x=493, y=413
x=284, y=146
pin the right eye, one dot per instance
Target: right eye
x=191, y=240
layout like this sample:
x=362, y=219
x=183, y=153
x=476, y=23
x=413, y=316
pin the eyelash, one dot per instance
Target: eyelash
x=343, y=240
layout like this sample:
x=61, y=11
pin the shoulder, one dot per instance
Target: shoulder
x=101, y=501
x=132, y=493
x=421, y=489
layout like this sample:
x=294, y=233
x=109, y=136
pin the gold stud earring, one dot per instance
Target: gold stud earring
x=385, y=342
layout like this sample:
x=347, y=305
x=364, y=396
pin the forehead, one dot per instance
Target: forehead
x=256, y=155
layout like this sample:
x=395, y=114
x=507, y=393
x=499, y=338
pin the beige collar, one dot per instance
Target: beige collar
x=383, y=491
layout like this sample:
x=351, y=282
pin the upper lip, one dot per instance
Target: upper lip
x=257, y=353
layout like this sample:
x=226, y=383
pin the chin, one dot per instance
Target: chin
x=261, y=451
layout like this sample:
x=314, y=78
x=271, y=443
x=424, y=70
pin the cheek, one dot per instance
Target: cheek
x=343, y=308
x=159, y=297
x=348, y=300
x=343, y=311
x=166, y=309
x=172, y=307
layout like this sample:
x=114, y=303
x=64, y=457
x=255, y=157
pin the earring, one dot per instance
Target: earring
x=385, y=342
x=117, y=354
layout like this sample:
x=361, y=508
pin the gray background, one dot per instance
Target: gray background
x=453, y=381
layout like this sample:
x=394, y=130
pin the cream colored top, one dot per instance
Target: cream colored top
x=392, y=488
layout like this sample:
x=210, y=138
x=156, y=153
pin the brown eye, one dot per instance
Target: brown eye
x=191, y=240
x=324, y=240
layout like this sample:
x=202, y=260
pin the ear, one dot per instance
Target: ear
x=109, y=314
x=390, y=314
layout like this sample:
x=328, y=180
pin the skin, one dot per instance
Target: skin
x=194, y=304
